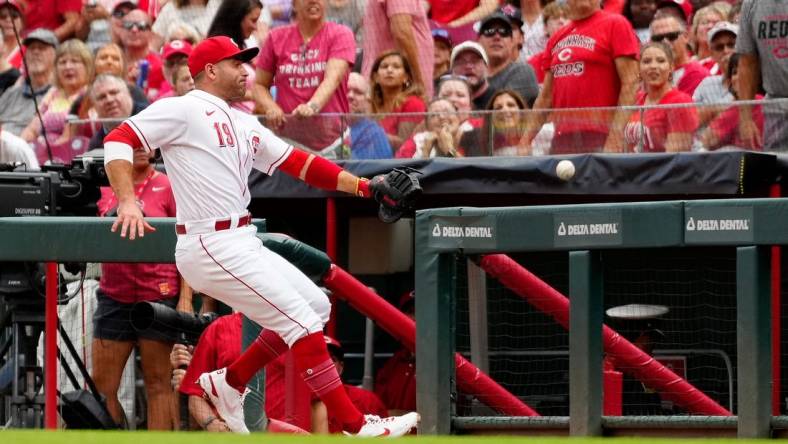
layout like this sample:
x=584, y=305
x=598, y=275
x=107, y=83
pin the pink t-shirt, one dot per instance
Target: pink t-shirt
x=654, y=125
x=129, y=283
x=298, y=69
x=581, y=56
x=378, y=38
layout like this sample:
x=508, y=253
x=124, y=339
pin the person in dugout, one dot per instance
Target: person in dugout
x=395, y=382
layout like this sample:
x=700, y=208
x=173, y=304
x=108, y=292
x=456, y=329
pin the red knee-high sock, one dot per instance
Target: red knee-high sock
x=320, y=374
x=263, y=350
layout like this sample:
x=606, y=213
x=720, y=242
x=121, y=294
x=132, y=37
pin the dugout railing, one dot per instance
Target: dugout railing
x=447, y=237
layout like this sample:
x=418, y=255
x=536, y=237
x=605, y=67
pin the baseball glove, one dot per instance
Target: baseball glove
x=396, y=191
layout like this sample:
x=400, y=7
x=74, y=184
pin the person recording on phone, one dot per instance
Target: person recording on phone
x=144, y=65
x=100, y=20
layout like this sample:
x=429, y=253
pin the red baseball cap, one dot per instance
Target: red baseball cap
x=684, y=5
x=12, y=3
x=215, y=49
x=176, y=47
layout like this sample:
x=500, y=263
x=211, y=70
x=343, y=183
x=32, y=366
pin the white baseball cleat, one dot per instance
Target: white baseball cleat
x=228, y=401
x=389, y=427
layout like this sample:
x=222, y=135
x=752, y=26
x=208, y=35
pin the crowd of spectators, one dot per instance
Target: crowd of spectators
x=556, y=58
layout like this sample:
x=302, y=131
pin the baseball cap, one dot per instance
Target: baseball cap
x=118, y=3
x=12, y=3
x=514, y=14
x=42, y=35
x=723, y=27
x=176, y=47
x=684, y=5
x=495, y=16
x=215, y=49
x=442, y=35
x=469, y=45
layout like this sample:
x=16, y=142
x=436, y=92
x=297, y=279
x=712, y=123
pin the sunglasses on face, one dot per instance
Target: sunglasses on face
x=719, y=47
x=502, y=31
x=141, y=26
x=671, y=36
x=9, y=15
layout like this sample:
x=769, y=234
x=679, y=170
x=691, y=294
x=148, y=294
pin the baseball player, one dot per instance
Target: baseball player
x=209, y=149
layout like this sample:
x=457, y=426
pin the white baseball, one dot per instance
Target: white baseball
x=565, y=169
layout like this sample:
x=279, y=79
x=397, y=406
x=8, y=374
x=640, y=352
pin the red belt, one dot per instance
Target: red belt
x=223, y=224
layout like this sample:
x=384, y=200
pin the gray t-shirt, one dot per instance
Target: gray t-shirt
x=17, y=108
x=763, y=30
x=519, y=77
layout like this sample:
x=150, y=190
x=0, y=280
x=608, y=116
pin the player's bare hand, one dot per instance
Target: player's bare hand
x=177, y=378
x=181, y=355
x=275, y=117
x=524, y=147
x=131, y=221
x=217, y=426
x=304, y=111
x=750, y=133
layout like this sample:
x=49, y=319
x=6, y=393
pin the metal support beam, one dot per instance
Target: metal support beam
x=753, y=341
x=435, y=346
x=477, y=316
x=585, y=343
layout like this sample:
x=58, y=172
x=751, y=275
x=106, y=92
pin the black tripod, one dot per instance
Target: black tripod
x=21, y=379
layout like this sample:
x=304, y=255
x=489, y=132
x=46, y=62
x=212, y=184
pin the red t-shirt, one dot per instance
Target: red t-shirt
x=395, y=382
x=690, y=76
x=614, y=6
x=444, y=11
x=155, y=73
x=134, y=282
x=537, y=62
x=654, y=125
x=726, y=127
x=581, y=56
x=49, y=13
x=219, y=346
x=413, y=104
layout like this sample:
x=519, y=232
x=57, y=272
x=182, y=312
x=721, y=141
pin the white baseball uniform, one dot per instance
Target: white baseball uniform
x=209, y=150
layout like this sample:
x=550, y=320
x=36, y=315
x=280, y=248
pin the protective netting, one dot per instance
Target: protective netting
x=678, y=305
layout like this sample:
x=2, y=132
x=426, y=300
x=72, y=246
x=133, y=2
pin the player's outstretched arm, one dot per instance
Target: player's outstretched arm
x=324, y=174
x=396, y=191
x=118, y=162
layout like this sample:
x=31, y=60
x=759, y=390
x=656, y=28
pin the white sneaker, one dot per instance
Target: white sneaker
x=389, y=427
x=228, y=401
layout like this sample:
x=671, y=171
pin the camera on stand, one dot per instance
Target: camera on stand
x=54, y=191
